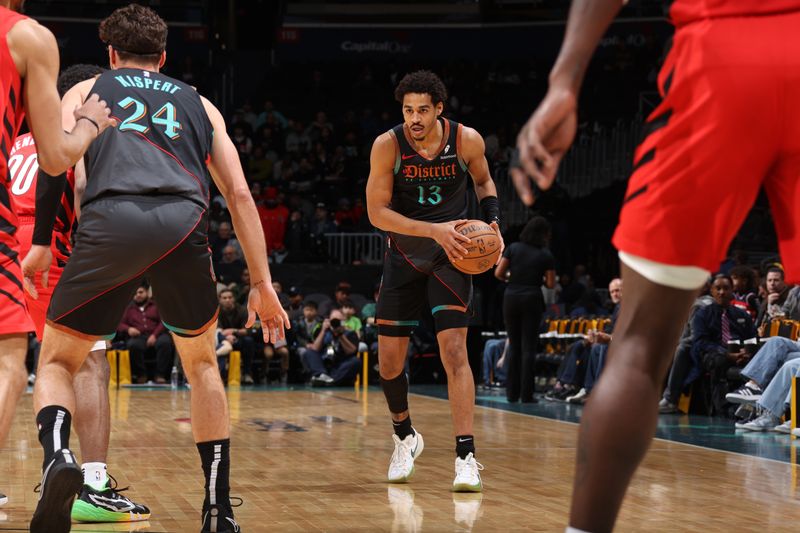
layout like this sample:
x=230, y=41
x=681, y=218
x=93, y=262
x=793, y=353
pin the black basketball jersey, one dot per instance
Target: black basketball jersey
x=161, y=144
x=433, y=190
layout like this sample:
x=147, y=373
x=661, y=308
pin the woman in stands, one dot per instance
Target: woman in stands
x=745, y=289
x=525, y=266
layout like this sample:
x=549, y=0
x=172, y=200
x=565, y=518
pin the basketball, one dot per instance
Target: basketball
x=484, y=249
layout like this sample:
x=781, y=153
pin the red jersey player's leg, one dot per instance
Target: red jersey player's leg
x=715, y=139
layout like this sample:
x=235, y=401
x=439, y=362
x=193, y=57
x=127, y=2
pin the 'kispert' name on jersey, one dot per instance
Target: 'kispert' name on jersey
x=161, y=144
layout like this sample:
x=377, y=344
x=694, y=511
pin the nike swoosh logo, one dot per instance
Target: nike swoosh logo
x=414, y=451
x=463, y=440
x=404, y=157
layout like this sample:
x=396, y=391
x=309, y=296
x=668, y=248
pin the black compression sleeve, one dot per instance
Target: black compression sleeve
x=49, y=191
x=490, y=207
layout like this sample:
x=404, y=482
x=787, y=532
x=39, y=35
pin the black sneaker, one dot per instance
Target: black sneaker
x=219, y=519
x=745, y=394
x=61, y=482
x=107, y=505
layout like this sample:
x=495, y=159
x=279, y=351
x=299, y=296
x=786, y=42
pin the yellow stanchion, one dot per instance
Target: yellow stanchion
x=365, y=369
x=124, y=363
x=235, y=368
x=111, y=355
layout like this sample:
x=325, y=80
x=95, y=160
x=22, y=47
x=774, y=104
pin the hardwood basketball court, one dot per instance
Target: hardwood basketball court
x=311, y=460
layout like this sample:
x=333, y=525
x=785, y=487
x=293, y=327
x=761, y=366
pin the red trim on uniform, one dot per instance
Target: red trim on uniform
x=451, y=290
x=69, y=331
x=169, y=154
x=408, y=260
x=138, y=274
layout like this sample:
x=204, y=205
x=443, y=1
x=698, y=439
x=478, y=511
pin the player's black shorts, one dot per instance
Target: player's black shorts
x=417, y=272
x=120, y=240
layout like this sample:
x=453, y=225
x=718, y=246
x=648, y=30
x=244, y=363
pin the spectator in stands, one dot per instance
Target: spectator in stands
x=775, y=402
x=772, y=306
x=260, y=167
x=232, y=320
x=295, y=307
x=682, y=361
x=297, y=140
x=274, y=216
x=142, y=326
x=340, y=295
x=270, y=114
x=332, y=355
x=229, y=269
x=713, y=327
x=243, y=290
x=320, y=225
x=494, y=358
x=351, y=321
x=745, y=289
x=315, y=129
x=368, y=311
x=763, y=367
x=282, y=297
x=791, y=308
x=297, y=232
x=223, y=350
x=599, y=342
x=307, y=328
x=279, y=350
x=244, y=144
x=525, y=266
x=224, y=237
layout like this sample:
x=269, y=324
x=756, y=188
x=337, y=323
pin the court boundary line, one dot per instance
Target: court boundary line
x=785, y=463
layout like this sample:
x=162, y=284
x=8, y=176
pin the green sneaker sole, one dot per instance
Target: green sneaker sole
x=86, y=512
x=463, y=487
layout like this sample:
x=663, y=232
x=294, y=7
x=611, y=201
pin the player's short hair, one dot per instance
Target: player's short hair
x=75, y=74
x=135, y=32
x=421, y=82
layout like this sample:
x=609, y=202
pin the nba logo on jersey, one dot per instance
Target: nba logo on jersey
x=146, y=74
x=447, y=148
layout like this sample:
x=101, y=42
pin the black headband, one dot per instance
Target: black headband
x=120, y=49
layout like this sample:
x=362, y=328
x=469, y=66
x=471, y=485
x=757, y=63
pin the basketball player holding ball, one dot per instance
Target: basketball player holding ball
x=417, y=193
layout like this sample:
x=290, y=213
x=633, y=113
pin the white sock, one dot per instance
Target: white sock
x=574, y=530
x=95, y=475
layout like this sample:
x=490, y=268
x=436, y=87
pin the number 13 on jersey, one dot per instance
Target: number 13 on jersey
x=432, y=197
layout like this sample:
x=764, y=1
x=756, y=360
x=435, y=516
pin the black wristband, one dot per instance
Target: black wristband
x=49, y=191
x=490, y=207
x=96, y=125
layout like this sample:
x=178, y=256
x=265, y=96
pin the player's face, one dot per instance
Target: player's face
x=420, y=114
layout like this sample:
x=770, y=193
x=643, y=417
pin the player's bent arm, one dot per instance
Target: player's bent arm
x=379, y=192
x=473, y=150
x=587, y=22
x=228, y=175
x=35, y=54
x=80, y=187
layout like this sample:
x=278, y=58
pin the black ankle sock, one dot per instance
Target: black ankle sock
x=403, y=429
x=53, y=422
x=216, y=458
x=465, y=444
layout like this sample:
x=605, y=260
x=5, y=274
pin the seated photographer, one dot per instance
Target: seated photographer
x=332, y=355
x=232, y=319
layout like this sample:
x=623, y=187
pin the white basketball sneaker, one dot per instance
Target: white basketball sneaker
x=468, y=477
x=401, y=467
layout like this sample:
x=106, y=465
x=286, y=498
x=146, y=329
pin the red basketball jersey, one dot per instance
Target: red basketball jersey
x=685, y=11
x=23, y=168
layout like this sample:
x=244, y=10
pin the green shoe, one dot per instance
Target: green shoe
x=107, y=505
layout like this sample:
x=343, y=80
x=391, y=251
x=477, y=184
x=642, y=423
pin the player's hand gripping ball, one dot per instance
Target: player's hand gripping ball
x=483, y=250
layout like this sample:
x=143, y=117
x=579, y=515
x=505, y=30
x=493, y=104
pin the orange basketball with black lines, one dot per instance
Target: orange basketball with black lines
x=482, y=251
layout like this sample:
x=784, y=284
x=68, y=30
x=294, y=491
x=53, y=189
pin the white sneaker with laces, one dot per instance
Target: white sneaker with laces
x=401, y=466
x=786, y=427
x=468, y=477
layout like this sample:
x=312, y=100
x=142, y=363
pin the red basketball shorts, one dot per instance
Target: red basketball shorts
x=729, y=123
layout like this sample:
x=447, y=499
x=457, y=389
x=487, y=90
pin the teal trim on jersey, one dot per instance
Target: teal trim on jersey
x=108, y=337
x=464, y=166
x=438, y=308
x=384, y=322
x=397, y=163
